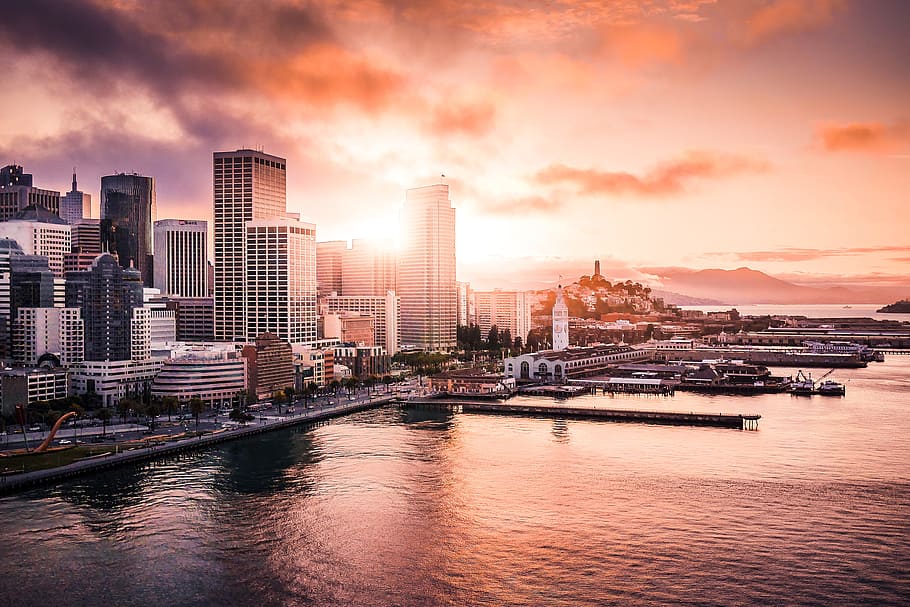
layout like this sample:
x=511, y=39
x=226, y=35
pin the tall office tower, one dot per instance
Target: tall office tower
x=281, y=279
x=248, y=186
x=128, y=209
x=368, y=268
x=181, y=266
x=329, y=259
x=75, y=205
x=506, y=309
x=560, y=322
x=111, y=299
x=17, y=192
x=426, y=270
x=85, y=237
x=40, y=232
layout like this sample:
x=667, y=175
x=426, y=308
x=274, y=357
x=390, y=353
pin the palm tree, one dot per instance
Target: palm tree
x=105, y=415
x=197, y=407
x=170, y=404
x=125, y=405
x=289, y=394
x=334, y=385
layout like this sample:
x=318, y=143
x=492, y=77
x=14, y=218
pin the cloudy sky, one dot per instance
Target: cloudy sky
x=773, y=134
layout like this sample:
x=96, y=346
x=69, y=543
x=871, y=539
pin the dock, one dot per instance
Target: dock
x=737, y=421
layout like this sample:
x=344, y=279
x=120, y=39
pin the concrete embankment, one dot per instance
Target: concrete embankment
x=18, y=482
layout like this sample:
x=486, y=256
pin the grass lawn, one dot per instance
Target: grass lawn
x=50, y=459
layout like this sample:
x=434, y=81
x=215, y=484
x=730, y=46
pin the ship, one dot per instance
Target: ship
x=829, y=387
x=802, y=385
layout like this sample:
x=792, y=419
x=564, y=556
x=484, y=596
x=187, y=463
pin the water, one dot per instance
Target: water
x=428, y=508
x=808, y=310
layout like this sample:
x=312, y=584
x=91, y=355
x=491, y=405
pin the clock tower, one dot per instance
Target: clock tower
x=560, y=322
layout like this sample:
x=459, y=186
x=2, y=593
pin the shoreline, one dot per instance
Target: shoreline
x=19, y=482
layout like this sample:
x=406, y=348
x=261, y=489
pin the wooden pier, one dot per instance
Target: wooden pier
x=719, y=420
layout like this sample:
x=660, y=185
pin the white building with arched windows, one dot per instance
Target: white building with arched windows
x=559, y=365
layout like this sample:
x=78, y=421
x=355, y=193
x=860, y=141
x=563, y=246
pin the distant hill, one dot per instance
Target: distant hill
x=745, y=285
x=679, y=299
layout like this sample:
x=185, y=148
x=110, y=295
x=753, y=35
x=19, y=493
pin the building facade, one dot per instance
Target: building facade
x=128, y=210
x=40, y=232
x=76, y=205
x=110, y=298
x=505, y=309
x=181, y=262
x=560, y=365
x=280, y=296
x=426, y=270
x=329, y=257
x=17, y=192
x=350, y=327
x=217, y=377
x=368, y=268
x=270, y=366
x=385, y=311
x=48, y=335
x=363, y=361
x=29, y=385
x=248, y=186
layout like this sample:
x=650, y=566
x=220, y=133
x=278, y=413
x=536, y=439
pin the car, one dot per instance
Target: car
x=34, y=429
x=64, y=441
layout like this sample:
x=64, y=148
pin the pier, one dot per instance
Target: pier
x=627, y=385
x=737, y=421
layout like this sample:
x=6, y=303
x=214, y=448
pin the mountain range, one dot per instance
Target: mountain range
x=748, y=286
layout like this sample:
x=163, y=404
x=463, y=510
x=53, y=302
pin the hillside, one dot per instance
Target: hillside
x=745, y=285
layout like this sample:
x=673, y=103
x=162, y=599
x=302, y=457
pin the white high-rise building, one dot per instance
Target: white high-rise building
x=40, y=232
x=280, y=279
x=368, y=268
x=506, y=309
x=560, y=322
x=465, y=304
x=248, y=186
x=181, y=247
x=426, y=270
x=385, y=311
x=41, y=332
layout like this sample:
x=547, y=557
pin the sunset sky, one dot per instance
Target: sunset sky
x=773, y=134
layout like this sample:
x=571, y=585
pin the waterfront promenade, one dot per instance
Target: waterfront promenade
x=16, y=482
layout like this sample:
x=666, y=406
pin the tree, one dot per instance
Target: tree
x=289, y=393
x=105, y=415
x=350, y=384
x=387, y=380
x=170, y=404
x=197, y=407
x=151, y=411
x=493, y=338
x=125, y=405
x=334, y=385
x=242, y=398
x=516, y=345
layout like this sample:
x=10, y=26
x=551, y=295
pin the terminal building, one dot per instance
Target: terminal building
x=560, y=365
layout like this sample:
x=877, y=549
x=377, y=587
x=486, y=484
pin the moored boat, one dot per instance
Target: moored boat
x=829, y=387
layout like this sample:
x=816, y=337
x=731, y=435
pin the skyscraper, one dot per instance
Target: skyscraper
x=75, y=205
x=368, y=268
x=181, y=247
x=109, y=297
x=281, y=279
x=426, y=269
x=128, y=210
x=248, y=185
x=329, y=257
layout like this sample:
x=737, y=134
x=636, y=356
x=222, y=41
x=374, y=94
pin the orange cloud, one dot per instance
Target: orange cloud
x=667, y=178
x=641, y=44
x=862, y=136
x=462, y=118
x=786, y=16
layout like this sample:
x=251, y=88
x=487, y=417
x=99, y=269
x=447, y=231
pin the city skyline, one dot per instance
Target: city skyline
x=766, y=129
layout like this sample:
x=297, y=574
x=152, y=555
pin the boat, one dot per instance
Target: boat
x=829, y=387
x=802, y=385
